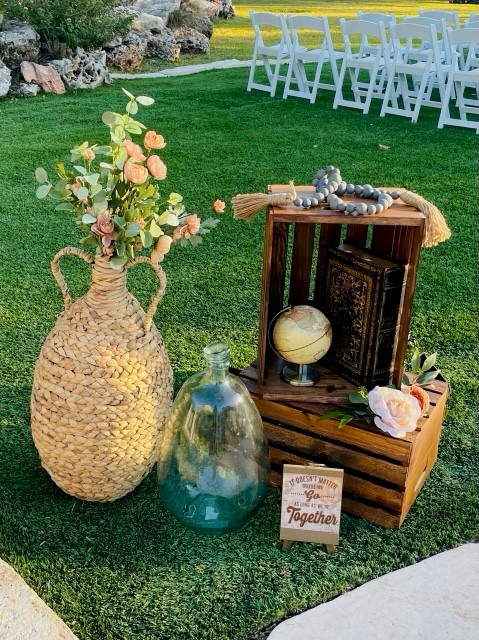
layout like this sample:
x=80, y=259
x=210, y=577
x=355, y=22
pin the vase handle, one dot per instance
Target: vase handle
x=160, y=274
x=57, y=274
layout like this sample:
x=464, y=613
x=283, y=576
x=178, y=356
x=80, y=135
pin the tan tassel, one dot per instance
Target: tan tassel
x=247, y=205
x=436, y=230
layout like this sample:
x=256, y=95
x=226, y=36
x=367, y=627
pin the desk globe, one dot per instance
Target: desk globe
x=301, y=335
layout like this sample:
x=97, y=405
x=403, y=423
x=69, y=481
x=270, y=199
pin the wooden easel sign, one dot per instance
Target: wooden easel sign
x=311, y=504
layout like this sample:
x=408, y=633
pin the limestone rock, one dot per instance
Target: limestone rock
x=5, y=79
x=46, y=77
x=192, y=41
x=204, y=25
x=27, y=90
x=18, y=41
x=227, y=9
x=209, y=8
x=145, y=22
x=129, y=53
x=84, y=70
x=160, y=8
x=164, y=46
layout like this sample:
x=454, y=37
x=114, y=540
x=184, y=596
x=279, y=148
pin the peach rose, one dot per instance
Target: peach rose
x=89, y=154
x=219, y=206
x=420, y=395
x=396, y=412
x=105, y=228
x=189, y=229
x=162, y=246
x=179, y=232
x=156, y=167
x=193, y=224
x=153, y=140
x=139, y=221
x=135, y=173
x=134, y=151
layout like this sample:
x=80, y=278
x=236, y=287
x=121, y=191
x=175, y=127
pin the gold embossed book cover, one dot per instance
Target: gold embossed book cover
x=362, y=295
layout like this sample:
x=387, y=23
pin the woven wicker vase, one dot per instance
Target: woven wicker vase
x=102, y=387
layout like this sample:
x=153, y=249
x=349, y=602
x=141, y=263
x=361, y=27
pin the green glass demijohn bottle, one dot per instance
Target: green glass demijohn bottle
x=214, y=465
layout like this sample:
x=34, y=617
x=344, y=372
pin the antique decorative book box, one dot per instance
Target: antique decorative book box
x=382, y=475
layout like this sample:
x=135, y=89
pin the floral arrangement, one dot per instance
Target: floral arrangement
x=395, y=411
x=117, y=200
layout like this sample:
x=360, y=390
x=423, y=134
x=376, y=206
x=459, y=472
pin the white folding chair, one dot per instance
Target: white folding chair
x=441, y=27
x=413, y=69
x=372, y=16
x=322, y=52
x=451, y=17
x=461, y=78
x=272, y=46
x=371, y=61
x=472, y=20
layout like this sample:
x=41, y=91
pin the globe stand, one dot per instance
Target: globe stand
x=300, y=375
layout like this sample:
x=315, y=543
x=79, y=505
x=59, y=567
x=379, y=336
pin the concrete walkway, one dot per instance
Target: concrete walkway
x=185, y=70
x=23, y=615
x=436, y=599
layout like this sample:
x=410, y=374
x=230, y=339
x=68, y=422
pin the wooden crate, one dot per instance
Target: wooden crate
x=395, y=234
x=382, y=475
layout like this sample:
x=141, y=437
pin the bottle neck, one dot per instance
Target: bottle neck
x=217, y=355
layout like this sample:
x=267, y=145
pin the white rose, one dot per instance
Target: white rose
x=396, y=412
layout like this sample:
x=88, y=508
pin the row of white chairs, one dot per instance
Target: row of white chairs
x=403, y=63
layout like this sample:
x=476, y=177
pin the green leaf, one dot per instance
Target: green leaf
x=65, y=206
x=117, y=262
x=92, y=178
x=89, y=241
x=120, y=248
x=87, y=218
x=119, y=221
x=210, y=223
x=130, y=95
x=103, y=150
x=133, y=128
x=344, y=421
x=357, y=398
x=172, y=220
x=109, y=118
x=81, y=170
x=175, y=198
x=132, y=107
x=405, y=380
x=100, y=207
x=41, y=175
x=146, y=101
x=415, y=361
x=429, y=362
x=155, y=230
x=427, y=376
x=194, y=240
x=95, y=190
x=146, y=238
x=82, y=193
x=132, y=230
x=106, y=165
x=43, y=190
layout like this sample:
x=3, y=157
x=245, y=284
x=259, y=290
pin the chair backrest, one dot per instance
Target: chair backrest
x=363, y=27
x=410, y=38
x=270, y=28
x=441, y=30
x=472, y=20
x=451, y=17
x=371, y=16
x=464, y=44
x=299, y=24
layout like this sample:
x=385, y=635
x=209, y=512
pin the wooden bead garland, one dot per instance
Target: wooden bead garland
x=330, y=187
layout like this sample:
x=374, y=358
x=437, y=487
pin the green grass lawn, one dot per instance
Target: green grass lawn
x=234, y=38
x=126, y=570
